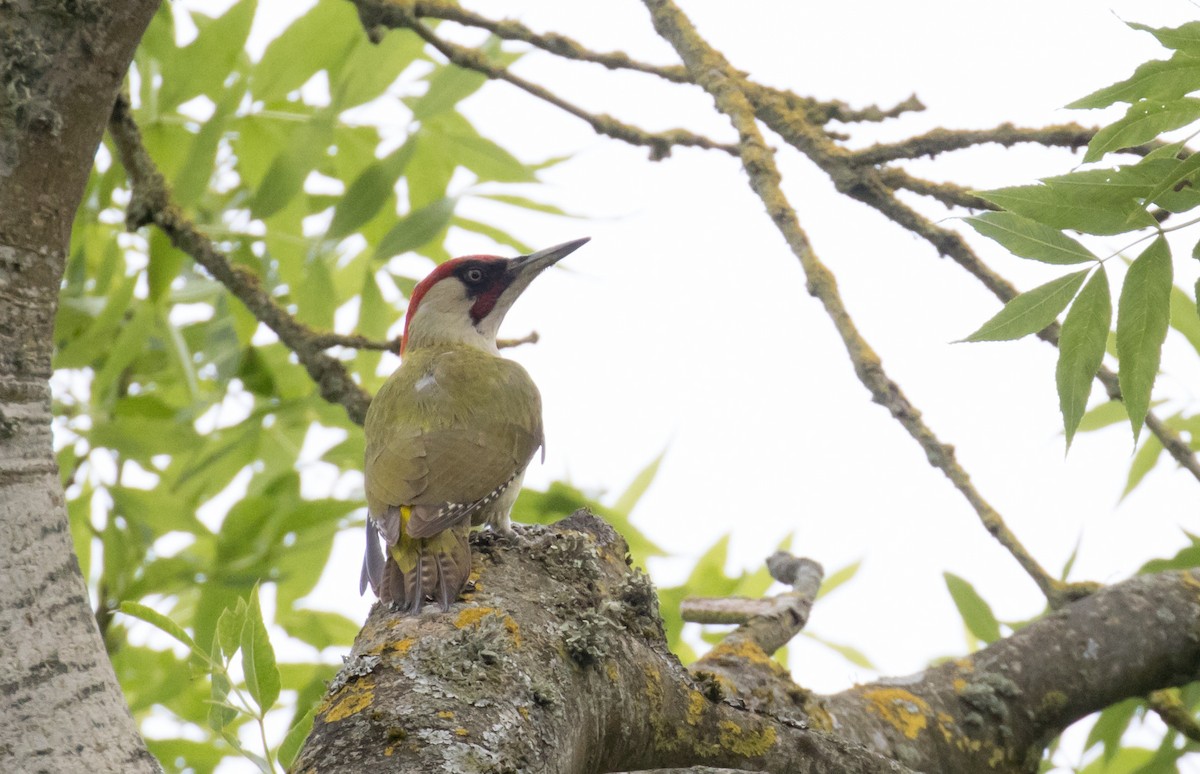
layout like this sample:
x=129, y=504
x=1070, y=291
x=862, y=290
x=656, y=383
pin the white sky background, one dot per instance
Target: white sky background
x=685, y=325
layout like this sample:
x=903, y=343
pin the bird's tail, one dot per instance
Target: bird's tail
x=437, y=566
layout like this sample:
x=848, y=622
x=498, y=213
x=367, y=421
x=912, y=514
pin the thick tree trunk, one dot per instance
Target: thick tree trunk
x=62, y=64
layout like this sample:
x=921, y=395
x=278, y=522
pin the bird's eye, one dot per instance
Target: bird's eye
x=474, y=275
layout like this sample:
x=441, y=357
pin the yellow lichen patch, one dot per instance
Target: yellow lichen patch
x=743, y=649
x=902, y=709
x=513, y=629
x=473, y=615
x=945, y=722
x=996, y=758
x=352, y=699
x=696, y=706
x=446, y=715
x=613, y=674
x=964, y=665
x=1053, y=701
x=400, y=647
x=462, y=731
x=389, y=750
x=959, y=685
x=524, y=712
x=746, y=742
x=818, y=717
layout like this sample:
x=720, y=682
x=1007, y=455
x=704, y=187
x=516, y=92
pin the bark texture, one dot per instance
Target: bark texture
x=556, y=662
x=62, y=63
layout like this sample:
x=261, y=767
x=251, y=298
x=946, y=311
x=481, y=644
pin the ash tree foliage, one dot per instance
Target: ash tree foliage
x=1139, y=202
x=174, y=399
x=171, y=393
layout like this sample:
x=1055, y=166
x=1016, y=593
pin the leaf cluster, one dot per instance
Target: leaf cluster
x=189, y=439
x=1145, y=200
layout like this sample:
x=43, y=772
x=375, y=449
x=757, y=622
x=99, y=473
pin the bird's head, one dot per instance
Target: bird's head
x=464, y=300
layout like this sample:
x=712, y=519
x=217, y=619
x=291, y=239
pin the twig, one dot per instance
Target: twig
x=403, y=15
x=949, y=194
x=552, y=42
x=767, y=623
x=710, y=69
x=819, y=111
x=940, y=141
x=1171, y=709
x=151, y=203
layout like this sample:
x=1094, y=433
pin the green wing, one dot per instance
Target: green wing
x=449, y=428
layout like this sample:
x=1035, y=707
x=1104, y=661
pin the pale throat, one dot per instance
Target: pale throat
x=444, y=317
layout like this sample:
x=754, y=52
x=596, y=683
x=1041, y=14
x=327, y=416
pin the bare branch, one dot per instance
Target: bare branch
x=940, y=141
x=375, y=14
x=713, y=72
x=151, y=203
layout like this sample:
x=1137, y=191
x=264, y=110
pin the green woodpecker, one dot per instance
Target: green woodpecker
x=450, y=432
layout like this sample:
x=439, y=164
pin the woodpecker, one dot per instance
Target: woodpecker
x=450, y=432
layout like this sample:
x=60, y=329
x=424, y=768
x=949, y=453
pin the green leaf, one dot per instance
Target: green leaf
x=220, y=713
x=1030, y=239
x=418, y=228
x=199, y=165
x=1031, y=311
x=230, y=626
x=370, y=190
x=368, y=69
x=477, y=153
x=975, y=611
x=641, y=482
x=1110, y=726
x=448, y=85
x=1185, y=558
x=1158, y=79
x=285, y=178
x=163, y=266
x=1106, y=414
x=258, y=657
x=1143, y=462
x=1143, y=313
x=1081, y=349
x=203, y=66
x=1176, y=176
x=708, y=578
x=1185, y=37
x=1185, y=317
x=838, y=577
x=319, y=628
x=853, y=655
x=315, y=41
x=1071, y=202
x=1144, y=121
x=290, y=747
x=527, y=204
x=162, y=623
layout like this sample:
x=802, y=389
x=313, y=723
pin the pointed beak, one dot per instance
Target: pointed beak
x=524, y=268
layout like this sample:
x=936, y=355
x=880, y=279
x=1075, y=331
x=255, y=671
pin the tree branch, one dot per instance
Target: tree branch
x=151, y=203
x=713, y=72
x=397, y=15
x=940, y=141
x=557, y=662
